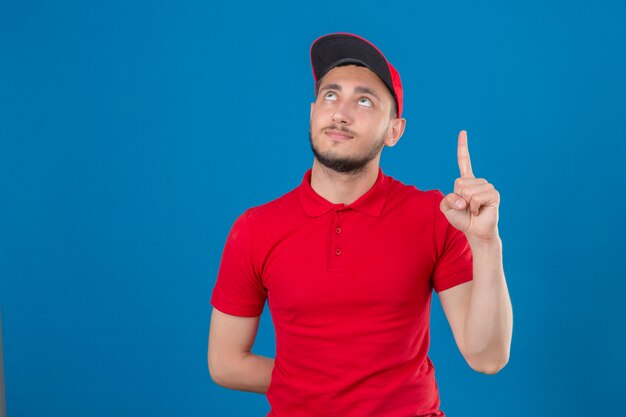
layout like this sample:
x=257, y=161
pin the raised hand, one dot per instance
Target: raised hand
x=473, y=206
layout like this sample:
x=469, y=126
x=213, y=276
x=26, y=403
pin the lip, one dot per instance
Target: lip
x=337, y=135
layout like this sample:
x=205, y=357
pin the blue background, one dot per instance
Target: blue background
x=132, y=134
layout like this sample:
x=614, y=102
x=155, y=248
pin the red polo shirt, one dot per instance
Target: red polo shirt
x=349, y=290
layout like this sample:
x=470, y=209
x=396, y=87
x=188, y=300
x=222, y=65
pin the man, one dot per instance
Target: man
x=348, y=260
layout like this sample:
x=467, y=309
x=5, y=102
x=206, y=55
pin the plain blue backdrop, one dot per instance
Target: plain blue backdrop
x=132, y=134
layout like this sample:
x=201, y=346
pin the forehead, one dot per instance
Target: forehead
x=352, y=76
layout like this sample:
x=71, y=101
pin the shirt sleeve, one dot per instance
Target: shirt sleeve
x=454, y=257
x=239, y=289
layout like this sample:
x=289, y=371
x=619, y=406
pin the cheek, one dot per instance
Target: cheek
x=319, y=117
x=375, y=132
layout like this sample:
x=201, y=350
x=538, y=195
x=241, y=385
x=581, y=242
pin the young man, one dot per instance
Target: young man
x=348, y=260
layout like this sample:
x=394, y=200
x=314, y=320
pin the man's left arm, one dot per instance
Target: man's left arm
x=479, y=311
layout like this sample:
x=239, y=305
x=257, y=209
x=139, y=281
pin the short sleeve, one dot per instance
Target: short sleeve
x=239, y=288
x=454, y=257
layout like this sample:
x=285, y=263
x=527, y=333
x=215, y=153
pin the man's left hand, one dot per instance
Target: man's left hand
x=473, y=206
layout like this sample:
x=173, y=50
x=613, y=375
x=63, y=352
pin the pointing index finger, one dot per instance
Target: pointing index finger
x=465, y=165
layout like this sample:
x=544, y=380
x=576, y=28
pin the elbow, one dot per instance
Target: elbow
x=217, y=380
x=212, y=372
x=216, y=376
x=488, y=366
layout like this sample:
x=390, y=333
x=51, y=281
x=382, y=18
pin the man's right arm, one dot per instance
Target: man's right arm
x=231, y=363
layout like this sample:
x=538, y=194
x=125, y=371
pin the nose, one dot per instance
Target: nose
x=342, y=113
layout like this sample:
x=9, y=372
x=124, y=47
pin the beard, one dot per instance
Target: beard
x=347, y=165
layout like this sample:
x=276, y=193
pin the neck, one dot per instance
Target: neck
x=343, y=188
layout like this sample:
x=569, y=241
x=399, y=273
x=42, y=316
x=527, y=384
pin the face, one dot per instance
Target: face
x=351, y=119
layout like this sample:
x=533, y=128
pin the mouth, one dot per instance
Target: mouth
x=338, y=135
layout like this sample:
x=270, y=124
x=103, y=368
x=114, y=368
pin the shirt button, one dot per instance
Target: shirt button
x=338, y=251
x=339, y=211
x=338, y=230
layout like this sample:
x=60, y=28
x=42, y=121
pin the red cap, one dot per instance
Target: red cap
x=335, y=49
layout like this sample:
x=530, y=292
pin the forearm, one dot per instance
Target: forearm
x=251, y=373
x=489, y=323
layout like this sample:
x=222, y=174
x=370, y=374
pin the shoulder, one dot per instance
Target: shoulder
x=401, y=193
x=274, y=209
x=266, y=223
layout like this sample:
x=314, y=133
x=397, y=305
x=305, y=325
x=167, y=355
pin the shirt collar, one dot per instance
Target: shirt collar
x=370, y=203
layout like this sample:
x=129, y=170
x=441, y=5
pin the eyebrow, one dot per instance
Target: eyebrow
x=358, y=89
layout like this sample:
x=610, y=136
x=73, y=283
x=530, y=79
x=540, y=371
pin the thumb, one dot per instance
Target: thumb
x=452, y=202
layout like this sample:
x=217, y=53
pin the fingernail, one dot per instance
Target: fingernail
x=459, y=203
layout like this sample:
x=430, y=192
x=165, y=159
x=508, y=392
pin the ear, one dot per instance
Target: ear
x=396, y=129
x=311, y=114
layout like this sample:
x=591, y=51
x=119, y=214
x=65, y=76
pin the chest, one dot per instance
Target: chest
x=350, y=261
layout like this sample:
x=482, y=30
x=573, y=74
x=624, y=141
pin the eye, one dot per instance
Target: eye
x=364, y=101
x=330, y=96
